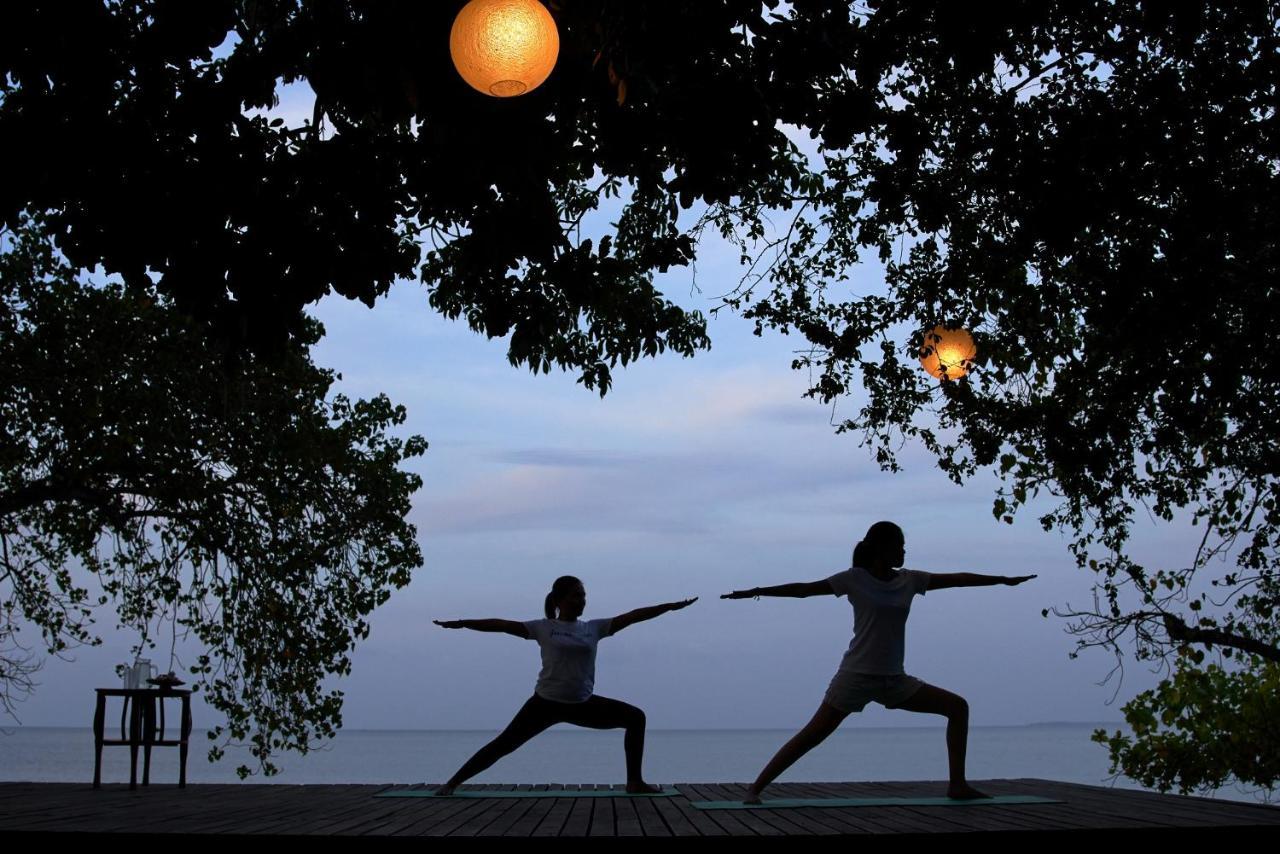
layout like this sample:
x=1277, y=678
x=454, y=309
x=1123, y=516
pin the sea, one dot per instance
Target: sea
x=1055, y=751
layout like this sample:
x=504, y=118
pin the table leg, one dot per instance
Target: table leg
x=99, y=726
x=182, y=748
x=135, y=738
x=148, y=736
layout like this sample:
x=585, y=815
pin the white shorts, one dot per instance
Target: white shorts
x=850, y=692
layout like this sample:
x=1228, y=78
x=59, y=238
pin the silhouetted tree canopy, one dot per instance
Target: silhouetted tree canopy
x=141, y=481
x=1089, y=187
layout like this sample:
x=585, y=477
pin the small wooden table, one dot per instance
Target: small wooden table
x=140, y=707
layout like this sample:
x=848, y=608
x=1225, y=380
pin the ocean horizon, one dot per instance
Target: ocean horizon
x=562, y=754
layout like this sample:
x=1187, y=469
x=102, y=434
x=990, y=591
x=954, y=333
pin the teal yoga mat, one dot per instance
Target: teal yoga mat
x=797, y=803
x=526, y=793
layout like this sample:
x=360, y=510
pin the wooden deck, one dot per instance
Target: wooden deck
x=352, y=810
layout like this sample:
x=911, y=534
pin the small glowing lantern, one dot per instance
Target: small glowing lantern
x=948, y=353
x=504, y=47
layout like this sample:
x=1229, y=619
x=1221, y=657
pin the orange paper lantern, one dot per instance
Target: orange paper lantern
x=948, y=353
x=504, y=47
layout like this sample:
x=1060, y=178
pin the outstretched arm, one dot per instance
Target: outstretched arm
x=511, y=627
x=799, y=590
x=639, y=615
x=938, y=581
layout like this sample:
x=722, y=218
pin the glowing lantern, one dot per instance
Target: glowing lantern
x=504, y=47
x=948, y=353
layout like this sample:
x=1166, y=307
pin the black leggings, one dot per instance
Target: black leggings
x=537, y=714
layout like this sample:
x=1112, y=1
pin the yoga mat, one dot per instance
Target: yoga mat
x=796, y=803
x=527, y=793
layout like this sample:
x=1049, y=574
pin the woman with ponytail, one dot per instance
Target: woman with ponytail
x=564, y=690
x=871, y=670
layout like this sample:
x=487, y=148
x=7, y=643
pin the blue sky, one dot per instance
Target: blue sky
x=693, y=477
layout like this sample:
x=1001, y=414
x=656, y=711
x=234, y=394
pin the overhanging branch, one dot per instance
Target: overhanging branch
x=1180, y=631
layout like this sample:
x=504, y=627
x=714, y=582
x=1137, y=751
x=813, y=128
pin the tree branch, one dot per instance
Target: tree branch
x=1042, y=70
x=1180, y=631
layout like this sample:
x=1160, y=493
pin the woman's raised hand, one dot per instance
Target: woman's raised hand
x=740, y=594
x=450, y=624
x=1017, y=579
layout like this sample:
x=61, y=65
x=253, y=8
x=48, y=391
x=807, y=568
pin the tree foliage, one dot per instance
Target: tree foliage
x=142, y=473
x=1091, y=190
x=1088, y=187
x=1203, y=727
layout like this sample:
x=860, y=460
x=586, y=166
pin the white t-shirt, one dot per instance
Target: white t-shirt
x=568, y=657
x=880, y=610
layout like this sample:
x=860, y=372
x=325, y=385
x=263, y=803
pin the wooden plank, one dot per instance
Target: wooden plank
x=203, y=810
x=502, y=821
x=556, y=818
x=56, y=813
x=626, y=819
x=302, y=810
x=849, y=822
x=1037, y=817
x=488, y=809
x=351, y=809
x=578, y=822
x=1103, y=811
x=602, y=817
x=734, y=822
x=867, y=820
x=789, y=822
x=378, y=815
x=207, y=811
x=532, y=817
x=412, y=812
x=291, y=809
x=748, y=822
x=879, y=819
x=285, y=810
x=356, y=812
x=962, y=818
x=729, y=821
x=1097, y=810
x=500, y=825
x=995, y=817
x=119, y=811
x=1031, y=817
x=684, y=820
x=456, y=811
x=1202, y=811
x=651, y=823
x=476, y=821
x=815, y=822
x=675, y=816
x=418, y=822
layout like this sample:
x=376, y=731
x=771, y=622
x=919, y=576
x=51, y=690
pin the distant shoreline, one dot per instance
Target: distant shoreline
x=1042, y=724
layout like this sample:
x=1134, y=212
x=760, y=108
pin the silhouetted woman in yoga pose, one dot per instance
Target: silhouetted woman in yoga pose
x=564, y=690
x=872, y=667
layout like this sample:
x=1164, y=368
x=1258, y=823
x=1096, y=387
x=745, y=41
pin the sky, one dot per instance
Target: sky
x=692, y=477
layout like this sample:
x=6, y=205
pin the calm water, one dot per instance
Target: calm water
x=579, y=756
x=1052, y=751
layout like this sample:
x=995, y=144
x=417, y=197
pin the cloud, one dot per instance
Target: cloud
x=563, y=458
x=687, y=491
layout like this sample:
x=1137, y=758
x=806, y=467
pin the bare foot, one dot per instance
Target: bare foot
x=444, y=791
x=964, y=792
x=643, y=788
x=752, y=799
